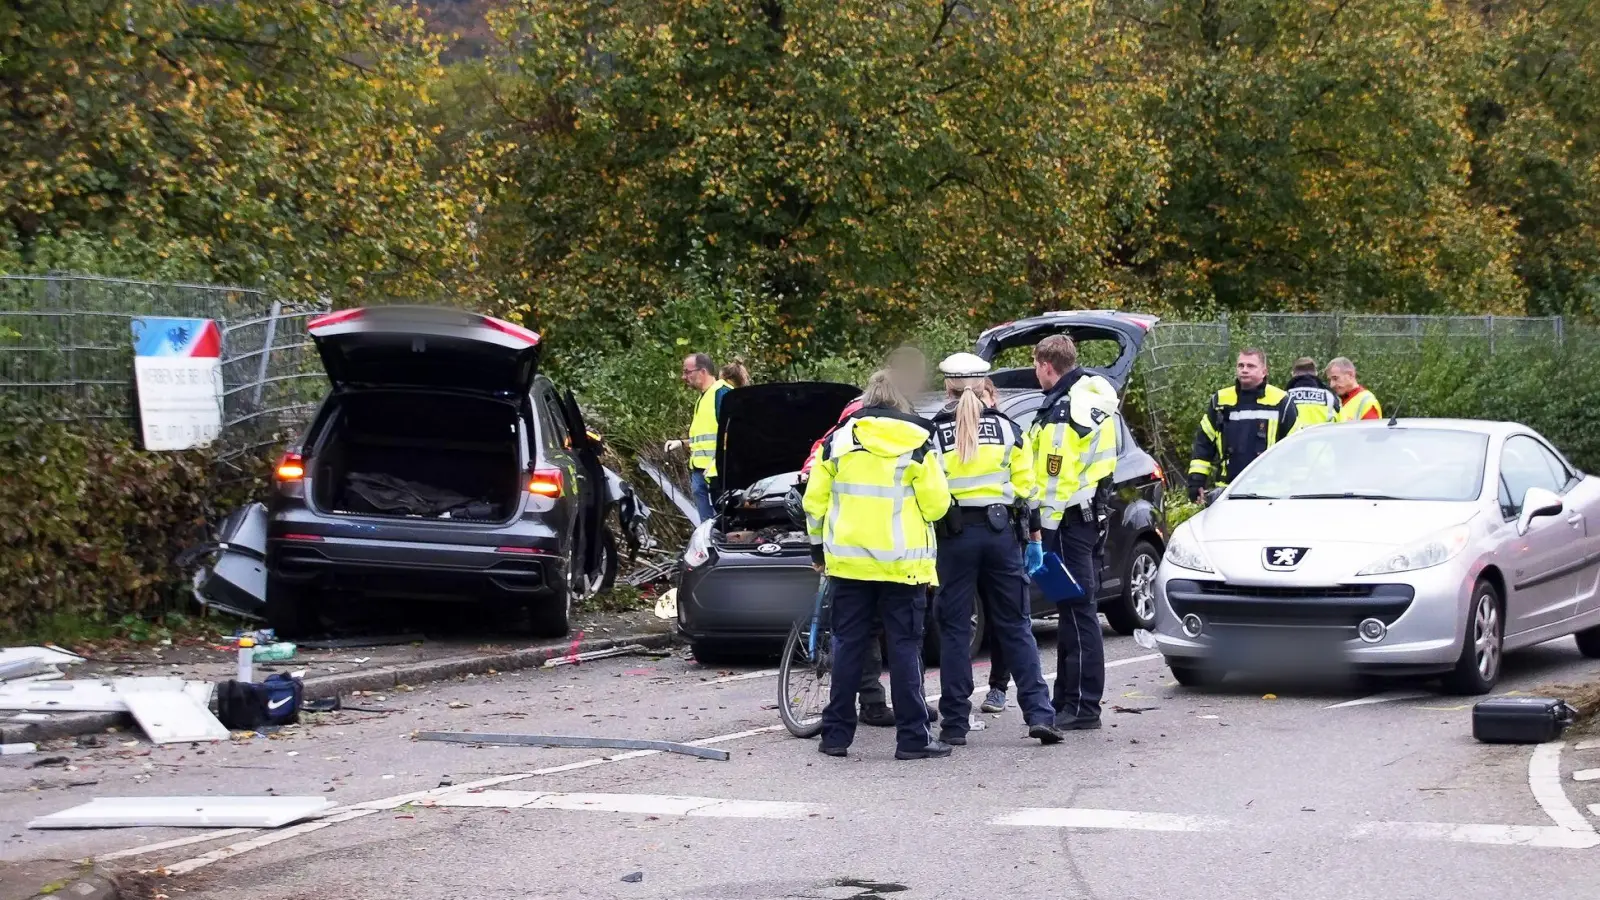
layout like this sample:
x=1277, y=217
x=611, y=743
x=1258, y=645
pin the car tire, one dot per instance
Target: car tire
x=1197, y=676
x=930, y=633
x=1482, y=644
x=1136, y=608
x=715, y=652
x=290, y=610
x=1589, y=642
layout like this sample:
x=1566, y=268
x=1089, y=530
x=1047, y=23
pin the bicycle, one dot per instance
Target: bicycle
x=804, y=676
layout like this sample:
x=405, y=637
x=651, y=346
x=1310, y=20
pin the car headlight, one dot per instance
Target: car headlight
x=1432, y=550
x=1185, y=552
x=698, y=553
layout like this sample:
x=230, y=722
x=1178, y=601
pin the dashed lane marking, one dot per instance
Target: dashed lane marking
x=1107, y=819
x=1586, y=775
x=643, y=804
x=1589, y=745
x=1385, y=697
x=1541, y=836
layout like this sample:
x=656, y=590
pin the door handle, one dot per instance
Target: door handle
x=1575, y=520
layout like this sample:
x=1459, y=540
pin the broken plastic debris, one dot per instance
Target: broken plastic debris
x=635, y=878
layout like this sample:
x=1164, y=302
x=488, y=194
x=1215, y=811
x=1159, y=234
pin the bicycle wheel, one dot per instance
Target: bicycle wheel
x=803, y=679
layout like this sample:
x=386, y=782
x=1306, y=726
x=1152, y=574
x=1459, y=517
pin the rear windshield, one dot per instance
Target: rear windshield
x=1336, y=461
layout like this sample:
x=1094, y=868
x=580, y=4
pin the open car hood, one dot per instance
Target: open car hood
x=767, y=429
x=1128, y=330
x=426, y=347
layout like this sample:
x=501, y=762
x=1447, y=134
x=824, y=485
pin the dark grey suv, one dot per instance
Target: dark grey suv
x=441, y=467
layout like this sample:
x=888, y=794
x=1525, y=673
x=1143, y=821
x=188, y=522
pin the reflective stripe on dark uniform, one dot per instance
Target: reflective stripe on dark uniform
x=1237, y=427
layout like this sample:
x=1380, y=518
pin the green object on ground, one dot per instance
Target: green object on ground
x=274, y=652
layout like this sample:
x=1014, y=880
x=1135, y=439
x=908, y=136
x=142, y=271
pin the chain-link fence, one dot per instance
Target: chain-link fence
x=1185, y=362
x=66, y=352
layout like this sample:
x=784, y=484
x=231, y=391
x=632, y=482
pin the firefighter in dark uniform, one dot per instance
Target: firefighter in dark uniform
x=1241, y=422
x=990, y=474
x=1074, y=442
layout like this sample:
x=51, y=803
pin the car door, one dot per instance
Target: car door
x=1542, y=581
x=586, y=455
x=1580, y=495
x=555, y=448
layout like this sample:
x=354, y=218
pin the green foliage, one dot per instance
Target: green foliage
x=104, y=522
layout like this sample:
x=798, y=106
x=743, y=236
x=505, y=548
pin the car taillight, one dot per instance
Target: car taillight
x=334, y=318
x=292, y=467
x=545, y=483
x=516, y=331
x=1160, y=475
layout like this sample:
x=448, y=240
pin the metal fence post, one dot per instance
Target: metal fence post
x=1227, y=341
x=266, y=352
x=1561, y=331
x=1491, y=335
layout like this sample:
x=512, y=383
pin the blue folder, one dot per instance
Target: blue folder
x=1055, y=582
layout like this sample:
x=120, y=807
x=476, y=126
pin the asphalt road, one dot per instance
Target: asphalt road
x=1216, y=793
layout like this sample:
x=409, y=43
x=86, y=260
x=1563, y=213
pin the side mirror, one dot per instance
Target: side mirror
x=1537, y=503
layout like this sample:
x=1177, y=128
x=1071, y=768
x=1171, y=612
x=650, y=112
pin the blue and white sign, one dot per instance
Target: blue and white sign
x=177, y=365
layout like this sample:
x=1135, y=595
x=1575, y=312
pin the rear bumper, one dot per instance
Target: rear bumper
x=415, y=570
x=745, y=596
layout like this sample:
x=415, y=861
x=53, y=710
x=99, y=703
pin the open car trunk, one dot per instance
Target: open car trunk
x=763, y=437
x=419, y=454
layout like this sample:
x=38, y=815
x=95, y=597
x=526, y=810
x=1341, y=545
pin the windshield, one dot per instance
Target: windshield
x=1338, y=462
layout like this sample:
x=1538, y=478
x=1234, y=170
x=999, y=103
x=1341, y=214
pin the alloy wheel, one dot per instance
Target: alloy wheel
x=1486, y=636
x=1144, y=589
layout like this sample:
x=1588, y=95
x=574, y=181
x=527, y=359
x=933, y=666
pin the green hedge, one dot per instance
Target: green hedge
x=1548, y=386
x=92, y=526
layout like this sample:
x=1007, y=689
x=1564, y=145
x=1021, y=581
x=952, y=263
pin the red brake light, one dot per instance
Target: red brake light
x=545, y=483
x=1160, y=475
x=292, y=467
x=334, y=318
x=516, y=331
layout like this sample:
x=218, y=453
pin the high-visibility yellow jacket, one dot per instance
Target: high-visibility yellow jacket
x=703, y=429
x=1359, y=404
x=1074, y=443
x=1000, y=472
x=1314, y=402
x=876, y=488
x=1238, y=426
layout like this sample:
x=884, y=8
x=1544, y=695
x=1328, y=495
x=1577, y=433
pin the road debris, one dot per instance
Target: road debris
x=185, y=812
x=573, y=659
x=1134, y=710
x=635, y=878
x=557, y=740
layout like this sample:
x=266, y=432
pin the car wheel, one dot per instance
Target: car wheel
x=1482, y=648
x=930, y=634
x=1589, y=642
x=551, y=615
x=1196, y=676
x=290, y=610
x=713, y=653
x=1136, y=608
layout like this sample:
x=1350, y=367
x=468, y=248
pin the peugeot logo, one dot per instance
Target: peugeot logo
x=1283, y=558
x=768, y=549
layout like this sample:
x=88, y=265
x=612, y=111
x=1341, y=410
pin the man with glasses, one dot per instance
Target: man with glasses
x=699, y=373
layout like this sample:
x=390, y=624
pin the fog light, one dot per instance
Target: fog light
x=1372, y=630
x=1192, y=626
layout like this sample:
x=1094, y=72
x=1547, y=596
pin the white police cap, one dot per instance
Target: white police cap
x=964, y=365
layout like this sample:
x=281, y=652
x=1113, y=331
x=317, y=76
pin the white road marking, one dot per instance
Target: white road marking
x=364, y=808
x=1586, y=775
x=1544, y=836
x=1594, y=809
x=1589, y=745
x=1107, y=819
x=175, y=843
x=1385, y=697
x=641, y=804
x=1544, y=779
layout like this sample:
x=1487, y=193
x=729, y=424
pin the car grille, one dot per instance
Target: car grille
x=1330, y=606
x=751, y=588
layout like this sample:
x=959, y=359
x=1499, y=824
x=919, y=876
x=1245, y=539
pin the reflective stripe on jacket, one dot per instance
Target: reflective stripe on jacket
x=1074, y=443
x=1000, y=472
x=703, y=429
x=873, y=495
x=1237, y=427
x=1360, y=404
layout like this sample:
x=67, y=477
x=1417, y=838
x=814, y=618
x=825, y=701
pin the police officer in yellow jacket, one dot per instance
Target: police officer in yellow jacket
x=1240, y=423
x=989, y=467
x=1075, y=455
x=875, y=490
x=1314, y=402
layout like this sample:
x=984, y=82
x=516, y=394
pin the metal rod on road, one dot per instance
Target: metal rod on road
x=559, y=740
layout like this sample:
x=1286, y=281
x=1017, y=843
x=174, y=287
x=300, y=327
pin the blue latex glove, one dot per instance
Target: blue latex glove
x=1033, y=558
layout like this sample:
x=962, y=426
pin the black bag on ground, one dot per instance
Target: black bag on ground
x=1520, y=720
x=249, y=705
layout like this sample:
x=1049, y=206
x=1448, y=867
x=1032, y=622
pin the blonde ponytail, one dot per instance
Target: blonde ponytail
x=968, y=410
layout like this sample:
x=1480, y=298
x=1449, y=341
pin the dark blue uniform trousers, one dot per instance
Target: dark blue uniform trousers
x=977, y=555
x=902, y=608
x=1080, y=646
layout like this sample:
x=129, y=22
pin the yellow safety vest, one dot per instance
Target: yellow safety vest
x=1074, y=447
x=1312, y=406
x=1000, y=472
x=703, y=430
x=1356, y=407
x=873, y=496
